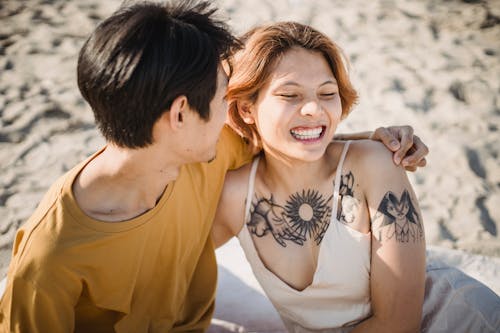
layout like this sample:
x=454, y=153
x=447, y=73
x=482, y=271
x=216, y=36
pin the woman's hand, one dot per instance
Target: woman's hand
x=409, y=150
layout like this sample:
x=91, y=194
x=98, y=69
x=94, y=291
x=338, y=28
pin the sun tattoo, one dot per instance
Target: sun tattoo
x=399, y=218
x=305, y=215
x=306, y=212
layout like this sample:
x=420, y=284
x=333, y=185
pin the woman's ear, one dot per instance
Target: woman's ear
x=245, y=109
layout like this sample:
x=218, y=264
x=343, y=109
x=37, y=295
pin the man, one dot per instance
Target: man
x=121, y=243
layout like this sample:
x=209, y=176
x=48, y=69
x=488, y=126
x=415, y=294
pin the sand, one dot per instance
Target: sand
x=433, y=64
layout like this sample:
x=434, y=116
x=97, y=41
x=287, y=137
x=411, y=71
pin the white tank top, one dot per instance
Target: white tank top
x=339, y=294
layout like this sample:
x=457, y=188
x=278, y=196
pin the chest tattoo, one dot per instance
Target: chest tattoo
x=305, y=215
x=348, y=205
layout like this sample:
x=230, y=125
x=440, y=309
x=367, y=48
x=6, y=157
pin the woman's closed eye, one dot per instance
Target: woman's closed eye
x=329, y=94
x=287, y=94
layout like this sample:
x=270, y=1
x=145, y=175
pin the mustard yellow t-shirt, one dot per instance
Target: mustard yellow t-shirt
x=154, y=273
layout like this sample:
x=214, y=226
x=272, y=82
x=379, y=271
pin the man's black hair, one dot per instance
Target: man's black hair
x=145, y=55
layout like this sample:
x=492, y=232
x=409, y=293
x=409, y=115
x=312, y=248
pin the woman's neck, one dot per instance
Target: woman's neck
x=291, y=175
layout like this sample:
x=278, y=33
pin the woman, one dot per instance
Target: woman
x=332, y=230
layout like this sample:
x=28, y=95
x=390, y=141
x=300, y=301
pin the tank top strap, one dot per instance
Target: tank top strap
x=251, y=184
x=338, y=174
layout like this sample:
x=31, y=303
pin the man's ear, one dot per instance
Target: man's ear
x=245, y=109
x=178, y=112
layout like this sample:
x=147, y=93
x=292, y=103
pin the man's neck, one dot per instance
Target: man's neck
x=120, y=184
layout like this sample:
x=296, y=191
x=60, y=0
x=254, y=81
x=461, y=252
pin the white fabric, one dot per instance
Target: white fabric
x=240, y=299
x=251, y=184
x=339, y=293
x=3, y=283
x=454, y=302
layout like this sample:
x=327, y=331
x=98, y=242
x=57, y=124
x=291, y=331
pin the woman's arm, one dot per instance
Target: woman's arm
x=398, y=245
x=229, y=218
x=221, y=233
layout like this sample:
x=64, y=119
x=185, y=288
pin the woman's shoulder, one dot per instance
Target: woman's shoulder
x=374, y=166
x=230, y=214
x=236, y=188
x=369, y=153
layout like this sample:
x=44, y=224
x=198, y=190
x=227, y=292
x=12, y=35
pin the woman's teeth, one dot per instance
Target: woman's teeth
x=307, y=134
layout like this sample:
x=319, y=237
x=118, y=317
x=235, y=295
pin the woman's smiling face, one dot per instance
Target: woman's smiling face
x=298, y=110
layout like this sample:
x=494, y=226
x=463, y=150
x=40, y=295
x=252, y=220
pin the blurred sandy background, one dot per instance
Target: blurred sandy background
x=434, y=64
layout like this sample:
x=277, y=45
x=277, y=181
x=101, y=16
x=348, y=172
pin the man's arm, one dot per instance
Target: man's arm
x=408, y=149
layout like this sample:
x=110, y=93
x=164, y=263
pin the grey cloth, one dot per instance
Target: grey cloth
x=455, y=302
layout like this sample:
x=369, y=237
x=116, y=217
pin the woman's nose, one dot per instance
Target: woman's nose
x=311, y=108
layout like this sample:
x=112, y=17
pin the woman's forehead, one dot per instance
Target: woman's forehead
x=296, y=66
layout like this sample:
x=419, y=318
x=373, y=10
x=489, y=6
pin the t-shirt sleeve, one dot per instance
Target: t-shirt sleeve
x=27, y=308
x=233, y=148
x=39, y=296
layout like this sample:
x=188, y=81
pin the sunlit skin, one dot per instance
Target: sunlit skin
x=298, y=110
x=296, y=114
x=180, y=136
x=206, y=133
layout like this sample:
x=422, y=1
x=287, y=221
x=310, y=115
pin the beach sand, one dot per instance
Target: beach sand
x=432, y=64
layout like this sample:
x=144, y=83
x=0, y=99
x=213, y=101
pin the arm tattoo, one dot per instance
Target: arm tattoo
x=305, y=215
x=348, y=205
x=399, y=218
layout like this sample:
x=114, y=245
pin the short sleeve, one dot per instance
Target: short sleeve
x=233, y=149
x=26, y=308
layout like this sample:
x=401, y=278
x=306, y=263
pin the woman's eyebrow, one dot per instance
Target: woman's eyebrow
x=288, y=83
x=328, y=82
x=295, y=84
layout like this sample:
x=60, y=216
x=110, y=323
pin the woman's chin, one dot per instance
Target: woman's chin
x=303, y=153
x=307, y=157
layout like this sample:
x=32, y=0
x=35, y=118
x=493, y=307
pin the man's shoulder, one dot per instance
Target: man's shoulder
x=233, y=148
x=46, y=222
x=56, y=192
x=48, y=200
